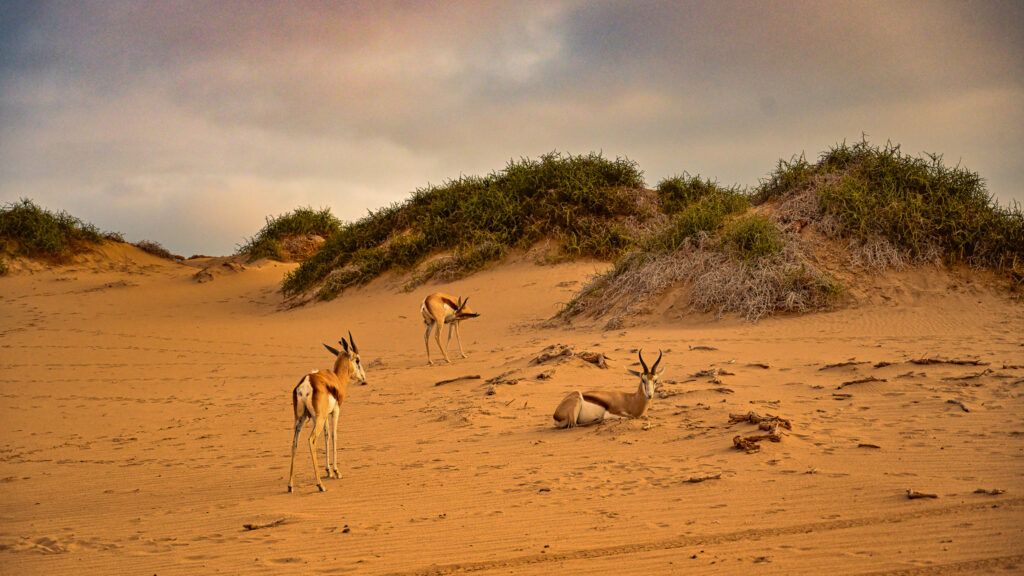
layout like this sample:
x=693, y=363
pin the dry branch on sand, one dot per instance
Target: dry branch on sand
x=769, y=423
x=927, y=361
x=860, y=381
x=458, y=378
x=699, y=479
x=562, y=351
x=958, y=403
x=992, y=492
x=842, y=364
x=915, y=495
x=984, y=372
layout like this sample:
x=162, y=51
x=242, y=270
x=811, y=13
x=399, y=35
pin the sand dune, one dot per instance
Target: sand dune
x=147, y=423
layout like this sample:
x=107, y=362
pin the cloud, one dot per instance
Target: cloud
x=194, y=115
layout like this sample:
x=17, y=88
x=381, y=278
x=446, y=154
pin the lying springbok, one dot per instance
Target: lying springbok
x=318, y=395
x=439, y=308
x=581, y=409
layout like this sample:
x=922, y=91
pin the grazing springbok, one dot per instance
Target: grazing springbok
x=581, y=409
x=319, y=395
x=440, y=308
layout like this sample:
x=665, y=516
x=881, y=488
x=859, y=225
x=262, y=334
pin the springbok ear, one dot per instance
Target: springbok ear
x=634, y=372
x=331, y=350
x=659, y=372
x=352, y=342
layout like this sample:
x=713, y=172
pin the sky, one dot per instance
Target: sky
x=188, y=123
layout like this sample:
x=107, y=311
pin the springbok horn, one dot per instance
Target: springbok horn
x=344, y=344
x=332, y=350
x=655, y=367
x=352, y=342
x=642, y=363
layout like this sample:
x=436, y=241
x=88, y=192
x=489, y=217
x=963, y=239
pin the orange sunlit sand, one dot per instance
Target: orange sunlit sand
x=147, y=430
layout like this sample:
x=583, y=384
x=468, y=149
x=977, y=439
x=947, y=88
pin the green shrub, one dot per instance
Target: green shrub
x=679, y=192
x=706, y=214
x=918, y=204
x=37, y=232
x=753, y=237
x=576, y=199
x=302, y=221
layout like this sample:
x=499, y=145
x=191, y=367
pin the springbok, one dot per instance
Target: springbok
x=318, y=395
x=439, y=308
x=581, y=409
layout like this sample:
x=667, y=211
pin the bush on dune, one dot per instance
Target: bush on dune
x=28, y=230
x=583, y=201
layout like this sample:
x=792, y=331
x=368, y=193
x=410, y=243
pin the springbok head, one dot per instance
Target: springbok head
x=463, y=310
x=350, y=353
x=649, y=377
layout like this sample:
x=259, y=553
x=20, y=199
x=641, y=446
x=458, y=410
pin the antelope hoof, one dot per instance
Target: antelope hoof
x=289, y=488
x=335, y=473
x=321, y=487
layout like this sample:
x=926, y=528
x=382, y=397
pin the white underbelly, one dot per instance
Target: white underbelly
x=590, y=413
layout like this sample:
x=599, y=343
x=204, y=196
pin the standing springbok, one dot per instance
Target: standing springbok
x=318, y=395
x=439, y=308
x=581, y=409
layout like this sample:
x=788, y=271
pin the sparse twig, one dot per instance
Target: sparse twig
x=860, y=381
x=450, y=380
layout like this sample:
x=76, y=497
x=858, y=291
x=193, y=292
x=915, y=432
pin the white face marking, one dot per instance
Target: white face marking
x=649, y=383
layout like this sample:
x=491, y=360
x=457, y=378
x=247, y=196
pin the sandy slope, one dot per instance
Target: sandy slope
x=146, y=420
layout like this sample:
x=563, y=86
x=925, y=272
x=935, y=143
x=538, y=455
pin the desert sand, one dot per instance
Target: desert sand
x=147, y=423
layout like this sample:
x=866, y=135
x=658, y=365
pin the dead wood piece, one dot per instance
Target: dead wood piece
x=755, y=418
x=883, y=364
x=552, y=352
x=958, y=403
x=984, y=372
x=259, y=525
x=596, y=358
x=841, y=396
x=866, y=445
x=705, y=348
x=860, y=381
x=842, y=364
x=699, y=479
x=992, y=492
x=914, y=495
x=450, y=380
x=948, y=361
x=546, y=375
x=722, y=390
x=749, y=444
x=759, y=365
x=503, y=378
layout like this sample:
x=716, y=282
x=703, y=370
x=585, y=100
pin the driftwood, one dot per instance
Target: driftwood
x=450, y=380
x=257, y=526
x=749, y=444
x=770, y=424
x=914, y=495
x=842, y=364
x=755, y=418
x=860, y=381
x=596, y=358
x=948, y=361
x=993, y=492
x=958, y=403
x=559, y=351
x=984, y=372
